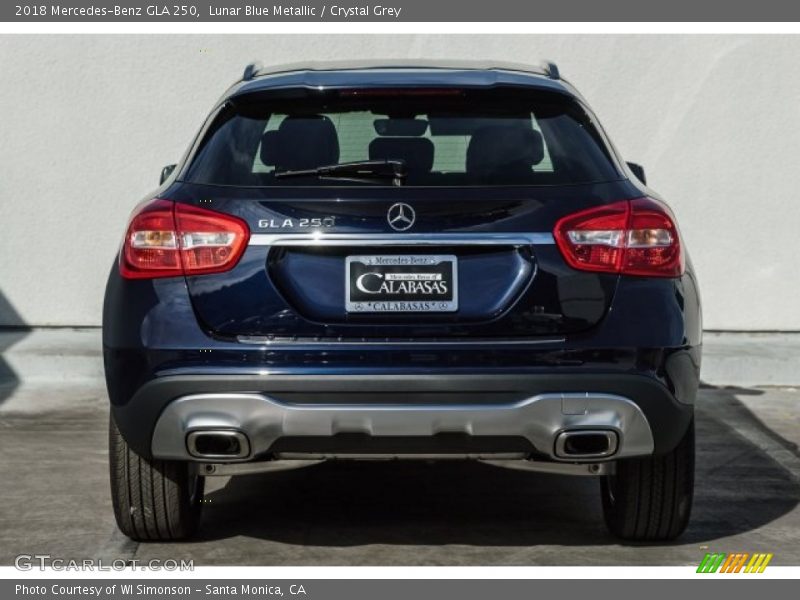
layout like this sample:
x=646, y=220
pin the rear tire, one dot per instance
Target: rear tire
x=154, y=500
x=650, y=499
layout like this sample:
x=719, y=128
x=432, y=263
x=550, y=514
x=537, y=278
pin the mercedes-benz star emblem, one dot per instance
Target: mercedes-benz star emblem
x=401, y=216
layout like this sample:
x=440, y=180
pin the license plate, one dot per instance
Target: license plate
x=402, y=283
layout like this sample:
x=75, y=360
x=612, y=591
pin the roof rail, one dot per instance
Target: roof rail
x=551, y=69
x=251, y=70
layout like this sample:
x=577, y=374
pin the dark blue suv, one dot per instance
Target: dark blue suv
x=386, y=260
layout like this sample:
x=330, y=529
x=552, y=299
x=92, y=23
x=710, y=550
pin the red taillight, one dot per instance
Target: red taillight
x=150, y=248
x=165, y=239
x=210, y=242
x=632, y=237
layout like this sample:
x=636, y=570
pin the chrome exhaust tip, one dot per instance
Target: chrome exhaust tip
x=220, y=444
x=586, y=443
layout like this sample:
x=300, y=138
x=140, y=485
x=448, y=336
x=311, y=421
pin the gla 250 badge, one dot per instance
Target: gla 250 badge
x=289, y=223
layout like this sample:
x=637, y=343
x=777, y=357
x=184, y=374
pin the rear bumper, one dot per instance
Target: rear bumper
x=263, y=421
x=418, y=408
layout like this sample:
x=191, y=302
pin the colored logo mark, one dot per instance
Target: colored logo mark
x=740, y=562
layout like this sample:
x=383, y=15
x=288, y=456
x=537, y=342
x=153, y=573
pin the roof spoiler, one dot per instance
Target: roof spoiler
x=549, y=69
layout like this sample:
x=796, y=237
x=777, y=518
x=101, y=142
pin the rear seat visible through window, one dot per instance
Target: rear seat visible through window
x=462, y=138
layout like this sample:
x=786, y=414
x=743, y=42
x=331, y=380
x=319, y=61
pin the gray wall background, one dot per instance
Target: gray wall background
x=87, y=122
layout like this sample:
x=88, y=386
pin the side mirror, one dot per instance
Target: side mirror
x=166, y=172
x=638, y=170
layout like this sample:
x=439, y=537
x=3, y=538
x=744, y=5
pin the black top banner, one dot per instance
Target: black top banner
x=401, y=10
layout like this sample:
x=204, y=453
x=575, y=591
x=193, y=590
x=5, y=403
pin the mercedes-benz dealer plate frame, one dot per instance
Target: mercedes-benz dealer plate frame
x=424, y=263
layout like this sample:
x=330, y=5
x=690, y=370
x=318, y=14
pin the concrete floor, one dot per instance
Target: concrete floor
x=55, y=499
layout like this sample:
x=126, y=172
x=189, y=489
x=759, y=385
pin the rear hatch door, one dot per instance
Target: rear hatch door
x=493, y=249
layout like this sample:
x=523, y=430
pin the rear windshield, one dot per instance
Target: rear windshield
x=446, y=137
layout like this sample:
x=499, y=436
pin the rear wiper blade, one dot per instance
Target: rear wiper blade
x=361, y=170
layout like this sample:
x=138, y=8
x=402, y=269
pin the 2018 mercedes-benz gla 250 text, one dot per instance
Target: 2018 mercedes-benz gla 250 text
x=394, y=261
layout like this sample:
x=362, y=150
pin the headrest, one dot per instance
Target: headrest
x=301, y=143
x=416, y=152
x=500, y=148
